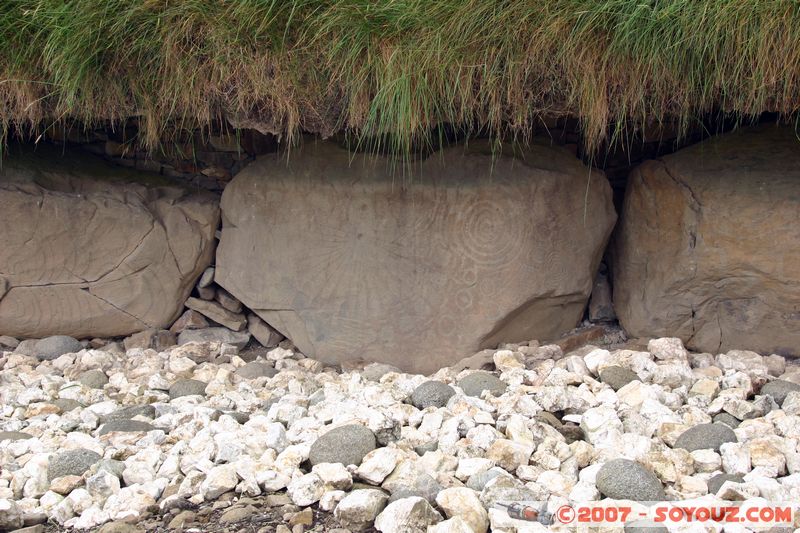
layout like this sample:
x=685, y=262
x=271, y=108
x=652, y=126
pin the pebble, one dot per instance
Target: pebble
x=778, y=389
x=359, y=509
x=237, y=514
x=617, y=377
x=14, y=435
x=623, y=479
x=238, y=339
x=51, y=348
x=375, y=371
x=304, y=518
x=705, y=436
x=201, y=431
x=255, y=370
x=71, y=463
x=94, y=379
x=187, y=387
x=431, y=394
x=127, y=426
x=345, y=444
x=644, y=526
x=475, y=383
x=715, y=483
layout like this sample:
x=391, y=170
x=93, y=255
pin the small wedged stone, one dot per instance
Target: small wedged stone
x=256, y=369
x=150, y=339
x=6, y=342
x=727, y=419
x=126, y=426
x=715, y=483
x=187, y=387
x=206, y=278
x=126, y=413
x=265, y=334
x=779, y=389
x=617, y=377
x=190, y=319
x=217, y=313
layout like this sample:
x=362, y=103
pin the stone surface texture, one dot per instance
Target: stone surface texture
x=706, y=249
x=93, y=250
x=422, y=273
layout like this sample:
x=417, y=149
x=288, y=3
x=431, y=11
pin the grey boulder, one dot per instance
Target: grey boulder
x=715, y=483
x=255, y=369
x=705, y=436
x=55, y=346
x=431, y=394
x=623, y=479
x=475, y=383
x=187, y=387
x=346, y=444
x=71, y=463
x=617, y=377
x=66, y=404
x=375, y=371
x=126, y=413
x=94, y=379
x=779, y=389
x=727, y=419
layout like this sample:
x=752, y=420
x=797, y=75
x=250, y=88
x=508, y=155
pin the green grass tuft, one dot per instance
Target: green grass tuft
x=393, y=70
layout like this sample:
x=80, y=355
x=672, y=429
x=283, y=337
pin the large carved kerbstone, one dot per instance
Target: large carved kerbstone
x=92, y=250
x=708, y=248
x=351, y=261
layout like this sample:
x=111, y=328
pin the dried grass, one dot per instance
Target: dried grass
x=393, y=70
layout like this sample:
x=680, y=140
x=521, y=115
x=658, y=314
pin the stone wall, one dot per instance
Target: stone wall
x=708, y=248
x=665, y=227
x=91, y=250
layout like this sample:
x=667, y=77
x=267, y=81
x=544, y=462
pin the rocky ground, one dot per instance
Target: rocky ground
x=201, y=437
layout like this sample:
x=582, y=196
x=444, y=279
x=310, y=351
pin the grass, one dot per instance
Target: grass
x=394, y=70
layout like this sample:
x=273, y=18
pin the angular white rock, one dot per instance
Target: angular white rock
x=218, y=481
x=360, y=508
x=377, y=465
x=407, y=515
x=465, y=503
x=306, y=490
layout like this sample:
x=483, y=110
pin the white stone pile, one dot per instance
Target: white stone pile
x=98, y=436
